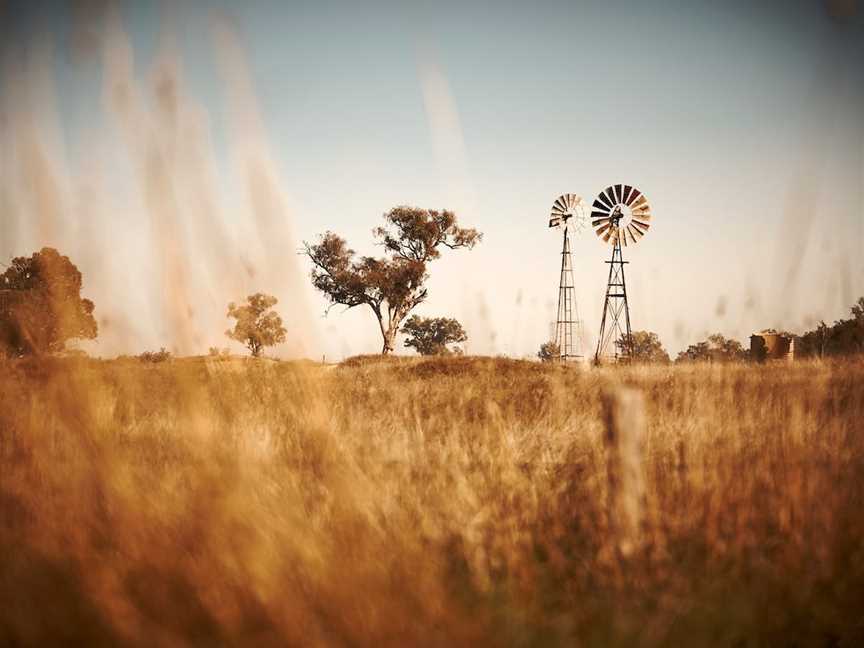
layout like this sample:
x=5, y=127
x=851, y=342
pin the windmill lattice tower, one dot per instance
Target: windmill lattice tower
x=621, y=215
x=568, y=213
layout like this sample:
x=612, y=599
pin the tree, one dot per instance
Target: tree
x=392, y=285
x=431, y=335
x=162, y=355
x=695, y=352
x=821, y=336
x=549, y=352
x=847, y=336
x=257, y=326
x=715, y=349
x=844, y=337
x=41, y=307
x=645, y=346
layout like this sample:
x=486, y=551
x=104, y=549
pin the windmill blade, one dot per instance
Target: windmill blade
x=626, y=196
x=638, y=204
x=610, y=196
x=599, y=207
x=629, y=235
x=612, y=230
x=603, y=227
x=634, y=195
x=555, y=221
x=604, y=199
x=619, y=192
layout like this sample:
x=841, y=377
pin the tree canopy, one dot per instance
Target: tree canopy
x=257, y=326
x=715, y=349
x=392, y=285
x=432, y=335
x=645, y=346
x=844, y=337
x=41, y=307
x=549, y=352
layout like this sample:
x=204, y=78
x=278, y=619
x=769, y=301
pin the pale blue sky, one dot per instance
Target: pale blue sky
x=741, y=122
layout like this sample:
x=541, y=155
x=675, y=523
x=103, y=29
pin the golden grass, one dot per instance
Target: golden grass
x=458, y=501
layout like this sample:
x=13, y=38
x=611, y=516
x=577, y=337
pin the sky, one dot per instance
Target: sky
x=180, y=153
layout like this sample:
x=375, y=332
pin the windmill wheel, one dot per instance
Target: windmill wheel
x=621, y=212
x=569, y=210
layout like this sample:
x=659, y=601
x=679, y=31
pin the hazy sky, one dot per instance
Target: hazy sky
x=180, y=154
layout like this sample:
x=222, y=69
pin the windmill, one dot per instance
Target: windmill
x=621, y=215
x=568, y=213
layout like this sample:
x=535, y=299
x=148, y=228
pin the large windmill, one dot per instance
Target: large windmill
x=568, y=213
x=621, y=215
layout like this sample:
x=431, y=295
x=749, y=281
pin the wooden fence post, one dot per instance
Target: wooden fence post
x=624, y=421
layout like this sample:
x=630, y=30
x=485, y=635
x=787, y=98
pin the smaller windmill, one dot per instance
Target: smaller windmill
x=568, y=213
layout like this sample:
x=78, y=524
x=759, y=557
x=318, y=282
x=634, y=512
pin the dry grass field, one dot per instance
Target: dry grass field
x=447, y=502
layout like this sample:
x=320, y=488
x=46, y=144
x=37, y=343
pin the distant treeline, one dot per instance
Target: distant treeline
x=41, y=307
x=844, y=337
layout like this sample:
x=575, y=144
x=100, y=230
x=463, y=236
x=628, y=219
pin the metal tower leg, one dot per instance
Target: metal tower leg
x=615, y=324
x=568, y=336
x=567, y=316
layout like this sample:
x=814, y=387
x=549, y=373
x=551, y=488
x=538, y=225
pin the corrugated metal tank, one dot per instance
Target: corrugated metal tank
x=771, y=346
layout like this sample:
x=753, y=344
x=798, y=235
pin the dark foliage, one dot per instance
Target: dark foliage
x=715, y=349
x=844, y=337
x=41, y=307
x=155, y=356
x=432, y=335
x=549, y=351
x=645, y=346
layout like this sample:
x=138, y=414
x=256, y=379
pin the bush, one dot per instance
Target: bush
x=155, y=356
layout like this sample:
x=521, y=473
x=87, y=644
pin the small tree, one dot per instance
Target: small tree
x=431, y=335
x=645, y=346
x=41, y=307
x=162, y=355
x=715, y=349
x=549, y=352
x=391, y=286
x=257, y=326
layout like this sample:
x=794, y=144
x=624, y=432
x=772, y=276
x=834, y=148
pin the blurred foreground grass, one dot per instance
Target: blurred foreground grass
x=425, y=502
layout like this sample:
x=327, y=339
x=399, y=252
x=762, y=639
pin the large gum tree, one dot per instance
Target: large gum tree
x=391, y=285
